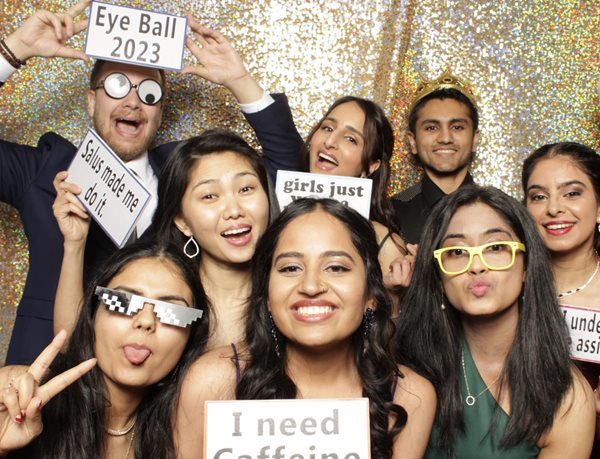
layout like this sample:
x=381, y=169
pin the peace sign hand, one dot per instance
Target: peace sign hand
x=21, y=401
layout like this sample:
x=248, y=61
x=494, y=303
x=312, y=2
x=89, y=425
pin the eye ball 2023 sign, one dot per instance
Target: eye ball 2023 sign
x=134, y=36
x=287, y=429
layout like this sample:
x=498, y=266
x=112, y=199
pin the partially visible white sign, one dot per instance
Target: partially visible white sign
x=110, y=191
x=303, y=428
x=584, y=329
x=140, y=37
x=351, y=191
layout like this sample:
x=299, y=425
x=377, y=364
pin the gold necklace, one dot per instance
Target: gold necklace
x=130, y=443
x=469, y=399
x=120, y=432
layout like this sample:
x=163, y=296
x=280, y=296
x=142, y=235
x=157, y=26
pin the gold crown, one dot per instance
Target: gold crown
x=445, y=81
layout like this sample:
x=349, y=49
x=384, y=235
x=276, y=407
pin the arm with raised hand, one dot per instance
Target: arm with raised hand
x=74, y=222
x=45, y=34
x=217, y=61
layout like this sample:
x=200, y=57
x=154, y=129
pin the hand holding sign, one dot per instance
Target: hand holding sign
x=22, y=400
x=45, y=34
x=71, y=216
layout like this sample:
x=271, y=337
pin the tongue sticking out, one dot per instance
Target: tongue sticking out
x=136, y=356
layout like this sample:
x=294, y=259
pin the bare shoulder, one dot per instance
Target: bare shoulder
x=212, y=375
x=414, y=391
x=573, y=428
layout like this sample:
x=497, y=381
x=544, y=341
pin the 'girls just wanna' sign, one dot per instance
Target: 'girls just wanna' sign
x=139, y=37
x=287, y=429
x=351, y=191
x=584, y=330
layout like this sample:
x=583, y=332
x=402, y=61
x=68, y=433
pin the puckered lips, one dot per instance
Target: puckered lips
x=479, y=287
x=558, y=227
x=326, y=161
x=313, y=310
x=136, y=354
x=238, y=235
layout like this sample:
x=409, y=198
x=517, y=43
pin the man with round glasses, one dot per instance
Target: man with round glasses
x=125, y=103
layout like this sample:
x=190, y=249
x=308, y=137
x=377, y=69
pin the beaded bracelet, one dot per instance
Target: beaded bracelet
x=10, y=56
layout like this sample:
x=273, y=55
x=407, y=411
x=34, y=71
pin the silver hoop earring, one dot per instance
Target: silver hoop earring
x=192, y=241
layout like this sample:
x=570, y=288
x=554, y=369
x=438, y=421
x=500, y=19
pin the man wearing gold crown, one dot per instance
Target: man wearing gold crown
x=443, y=135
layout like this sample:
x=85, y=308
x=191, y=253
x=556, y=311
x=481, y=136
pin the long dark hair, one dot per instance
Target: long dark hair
x=74, y=420
x=175, y=177
x=586, y=159
x=429, y=339
x=379, y=146
x=265, y=375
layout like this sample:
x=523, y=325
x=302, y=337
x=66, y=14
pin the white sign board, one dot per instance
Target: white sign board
x=351, y=191
x=139, y=37
x=110, y=191
x=304, y=428
x=584, y=329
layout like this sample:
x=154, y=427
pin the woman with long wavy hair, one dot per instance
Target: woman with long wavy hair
x=318, y=326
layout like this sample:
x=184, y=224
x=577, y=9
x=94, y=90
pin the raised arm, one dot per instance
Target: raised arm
x=73, y=221
x=46, y=33
x=269, y=115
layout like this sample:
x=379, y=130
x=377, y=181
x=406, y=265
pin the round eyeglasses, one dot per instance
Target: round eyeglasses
x=496, y=256
x=117, y=86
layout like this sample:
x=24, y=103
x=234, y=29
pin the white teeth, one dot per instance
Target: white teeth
x=559, y=226
x=314, y=310
x=328, y=158
x=233, y=232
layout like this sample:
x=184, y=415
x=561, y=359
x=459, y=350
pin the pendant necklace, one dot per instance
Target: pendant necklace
x=469, y=399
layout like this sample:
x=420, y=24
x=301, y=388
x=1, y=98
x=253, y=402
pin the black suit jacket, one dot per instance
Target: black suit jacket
x=26, y=175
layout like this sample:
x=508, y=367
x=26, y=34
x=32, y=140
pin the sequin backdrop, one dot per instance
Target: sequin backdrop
x=534, y=66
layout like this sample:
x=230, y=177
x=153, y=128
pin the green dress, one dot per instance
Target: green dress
x=476, y=442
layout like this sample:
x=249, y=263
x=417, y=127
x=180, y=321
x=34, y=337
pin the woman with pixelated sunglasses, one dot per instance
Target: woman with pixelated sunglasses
x=142, y=322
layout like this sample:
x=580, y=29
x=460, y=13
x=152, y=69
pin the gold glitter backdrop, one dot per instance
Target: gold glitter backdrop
x=534, y=65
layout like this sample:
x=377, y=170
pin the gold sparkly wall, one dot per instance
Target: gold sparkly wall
x=534, y=64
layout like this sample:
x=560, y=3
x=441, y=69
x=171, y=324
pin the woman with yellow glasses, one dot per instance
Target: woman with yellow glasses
x=480, y=320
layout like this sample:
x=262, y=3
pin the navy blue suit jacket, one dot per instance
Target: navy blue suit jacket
x=26, y=175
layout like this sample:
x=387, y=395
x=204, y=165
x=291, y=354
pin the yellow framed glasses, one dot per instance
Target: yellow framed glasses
x=496, y=256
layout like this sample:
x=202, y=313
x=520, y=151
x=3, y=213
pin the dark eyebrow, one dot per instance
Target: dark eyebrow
x=326, y=254
x=350, y=128
x=165, y=298
x=487, y=232
x=451, y=120
x=562, y=185
x=236, y=176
